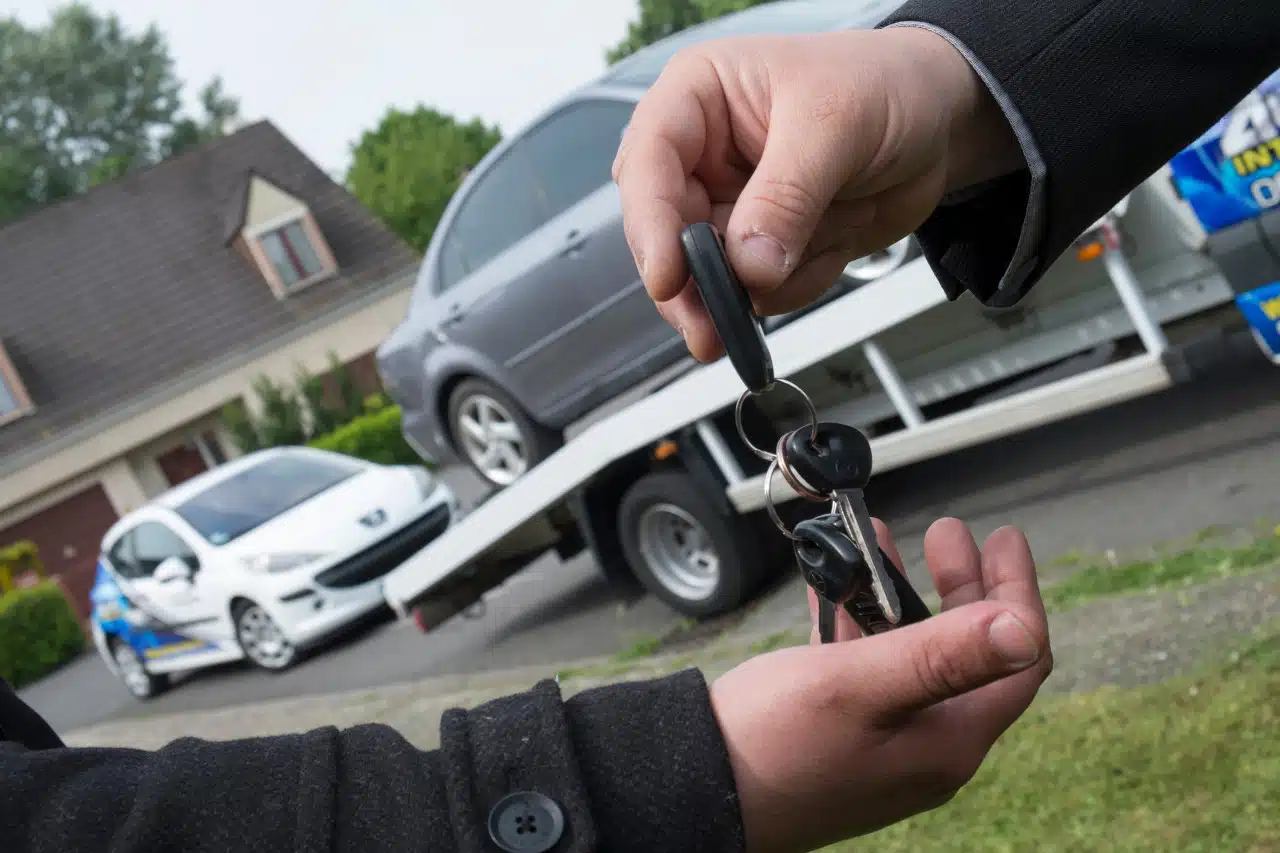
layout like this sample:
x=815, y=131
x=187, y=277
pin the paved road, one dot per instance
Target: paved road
x=1151, y=470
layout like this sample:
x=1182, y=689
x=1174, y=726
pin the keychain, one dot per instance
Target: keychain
x=837, y=552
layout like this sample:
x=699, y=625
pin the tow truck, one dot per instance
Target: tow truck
x=1181, y=278
x=659, y=487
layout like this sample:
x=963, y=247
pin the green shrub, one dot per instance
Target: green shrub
x=39, y=632
x=16, y=559
x=375, y=437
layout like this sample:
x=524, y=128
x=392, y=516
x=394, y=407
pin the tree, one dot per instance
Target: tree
x=408, y=167
x=82, y=101
x=661, y=18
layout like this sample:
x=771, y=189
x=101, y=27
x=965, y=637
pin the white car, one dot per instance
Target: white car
x=257, y=559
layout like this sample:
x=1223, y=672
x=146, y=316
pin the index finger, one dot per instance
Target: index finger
x=654, y=173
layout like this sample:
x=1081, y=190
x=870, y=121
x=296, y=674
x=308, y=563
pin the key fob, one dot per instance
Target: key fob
x=837, y=458
x=728, y=305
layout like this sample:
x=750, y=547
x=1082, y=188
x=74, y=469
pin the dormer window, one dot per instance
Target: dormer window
x=14, y=400
x=290, y=251
x=276, y=231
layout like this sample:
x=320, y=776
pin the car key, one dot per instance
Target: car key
x=834, y=460
x=831, y=564
x=728, y=305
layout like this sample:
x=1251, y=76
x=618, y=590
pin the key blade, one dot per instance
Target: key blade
x=826, y=621
x=853, y=511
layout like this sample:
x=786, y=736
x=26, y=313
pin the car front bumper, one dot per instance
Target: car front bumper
x=343, y=591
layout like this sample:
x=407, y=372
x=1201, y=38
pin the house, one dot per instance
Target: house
x=131, y=315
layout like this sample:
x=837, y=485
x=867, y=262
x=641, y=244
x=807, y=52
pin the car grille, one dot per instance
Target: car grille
x=388, y=554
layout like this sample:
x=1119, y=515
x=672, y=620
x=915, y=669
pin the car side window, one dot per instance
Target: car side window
x=573, y=151
x=503, y=207
x=121, y=557
x=153, y=543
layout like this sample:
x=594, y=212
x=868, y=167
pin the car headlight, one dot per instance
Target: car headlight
x=276, y=563
x=422, y=477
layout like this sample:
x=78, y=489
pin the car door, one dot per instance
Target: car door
x=182, y=616
x=572, y=153
x=490, y=297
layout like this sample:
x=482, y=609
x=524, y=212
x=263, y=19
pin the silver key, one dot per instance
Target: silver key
x=852, y=507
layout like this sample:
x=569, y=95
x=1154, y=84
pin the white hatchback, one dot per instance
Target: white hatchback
x=257, y=559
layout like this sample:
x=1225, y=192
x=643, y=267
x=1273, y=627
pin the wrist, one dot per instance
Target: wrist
x=981, y=144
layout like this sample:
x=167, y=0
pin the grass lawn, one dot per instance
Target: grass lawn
x=1095, y=579
x=1186, y=766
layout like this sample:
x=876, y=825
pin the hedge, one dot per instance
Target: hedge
x=375, y=437
x=39, y=632
x=16, y=560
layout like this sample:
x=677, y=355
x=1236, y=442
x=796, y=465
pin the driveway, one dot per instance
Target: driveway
x=1147, y=471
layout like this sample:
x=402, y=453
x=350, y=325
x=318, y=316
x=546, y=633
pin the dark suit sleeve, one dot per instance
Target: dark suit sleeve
x=632, y=768
x=1101, y=94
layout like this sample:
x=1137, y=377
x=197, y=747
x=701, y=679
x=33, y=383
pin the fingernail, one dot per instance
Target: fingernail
x=768, y=250
x=1013, y=641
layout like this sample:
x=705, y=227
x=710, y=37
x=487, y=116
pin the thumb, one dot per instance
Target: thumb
x=953, y=653
x=803, y=165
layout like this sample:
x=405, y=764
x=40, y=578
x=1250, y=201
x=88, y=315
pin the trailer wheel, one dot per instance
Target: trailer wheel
x=693, y=557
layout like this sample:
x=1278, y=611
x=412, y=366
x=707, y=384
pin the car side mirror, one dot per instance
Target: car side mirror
x=172, y=569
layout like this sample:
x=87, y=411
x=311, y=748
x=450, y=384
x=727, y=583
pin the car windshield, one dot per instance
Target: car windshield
x=252, y=497
x=780, y=18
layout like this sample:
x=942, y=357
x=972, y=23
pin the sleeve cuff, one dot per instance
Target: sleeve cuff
x=955, y=248
x=652, y=756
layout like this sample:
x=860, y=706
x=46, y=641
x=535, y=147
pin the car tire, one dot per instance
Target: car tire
x=698, y=560
x=131, y=669
x=513, y=440
x=263, y=643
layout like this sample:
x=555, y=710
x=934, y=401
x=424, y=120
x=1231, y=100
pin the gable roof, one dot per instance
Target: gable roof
x=132, y=285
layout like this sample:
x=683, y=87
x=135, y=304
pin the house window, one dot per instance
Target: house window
x=292, y=253
x=13, y=396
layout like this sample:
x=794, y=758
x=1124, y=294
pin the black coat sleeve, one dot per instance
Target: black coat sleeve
x=632, y=768
x=1102, y=93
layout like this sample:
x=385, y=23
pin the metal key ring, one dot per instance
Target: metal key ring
x=768, y=502
x=742, y=434
x=792, y=477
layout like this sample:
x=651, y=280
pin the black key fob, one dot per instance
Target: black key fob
x=728, y=305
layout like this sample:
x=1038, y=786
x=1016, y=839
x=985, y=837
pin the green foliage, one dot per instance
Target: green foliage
x=408, y=167
x=82, y=101
x=242, y=428
x=661, y=18
x=375, y=437
x=38, y=633
x=16, y=559
x=351, y=404
x=324, y=418
x=282, y=421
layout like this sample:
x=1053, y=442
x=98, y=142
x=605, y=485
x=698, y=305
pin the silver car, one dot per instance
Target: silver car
x=528, y=311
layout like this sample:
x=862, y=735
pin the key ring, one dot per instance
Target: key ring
x=742, y=434
x=794, y=480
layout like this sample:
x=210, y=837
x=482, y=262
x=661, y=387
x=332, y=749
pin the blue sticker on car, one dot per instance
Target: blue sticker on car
x=118, y=616
x=1232, y=172
x=1261, y=308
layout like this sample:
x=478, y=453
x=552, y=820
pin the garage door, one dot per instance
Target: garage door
x=69, y=535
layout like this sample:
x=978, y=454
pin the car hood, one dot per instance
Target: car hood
x=330, y=523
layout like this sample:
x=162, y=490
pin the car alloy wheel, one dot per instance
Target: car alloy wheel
x=678, y=551
x=133, y=673
x=491, y=439
x=880, y=263
x=262, y=640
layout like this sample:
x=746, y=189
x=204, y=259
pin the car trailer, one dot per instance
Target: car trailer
x=661, y=489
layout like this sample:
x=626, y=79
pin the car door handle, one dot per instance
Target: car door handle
x=573, y=243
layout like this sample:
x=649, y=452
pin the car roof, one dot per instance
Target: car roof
x=641, y=68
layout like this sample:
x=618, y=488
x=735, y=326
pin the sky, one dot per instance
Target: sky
x=324, y=72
